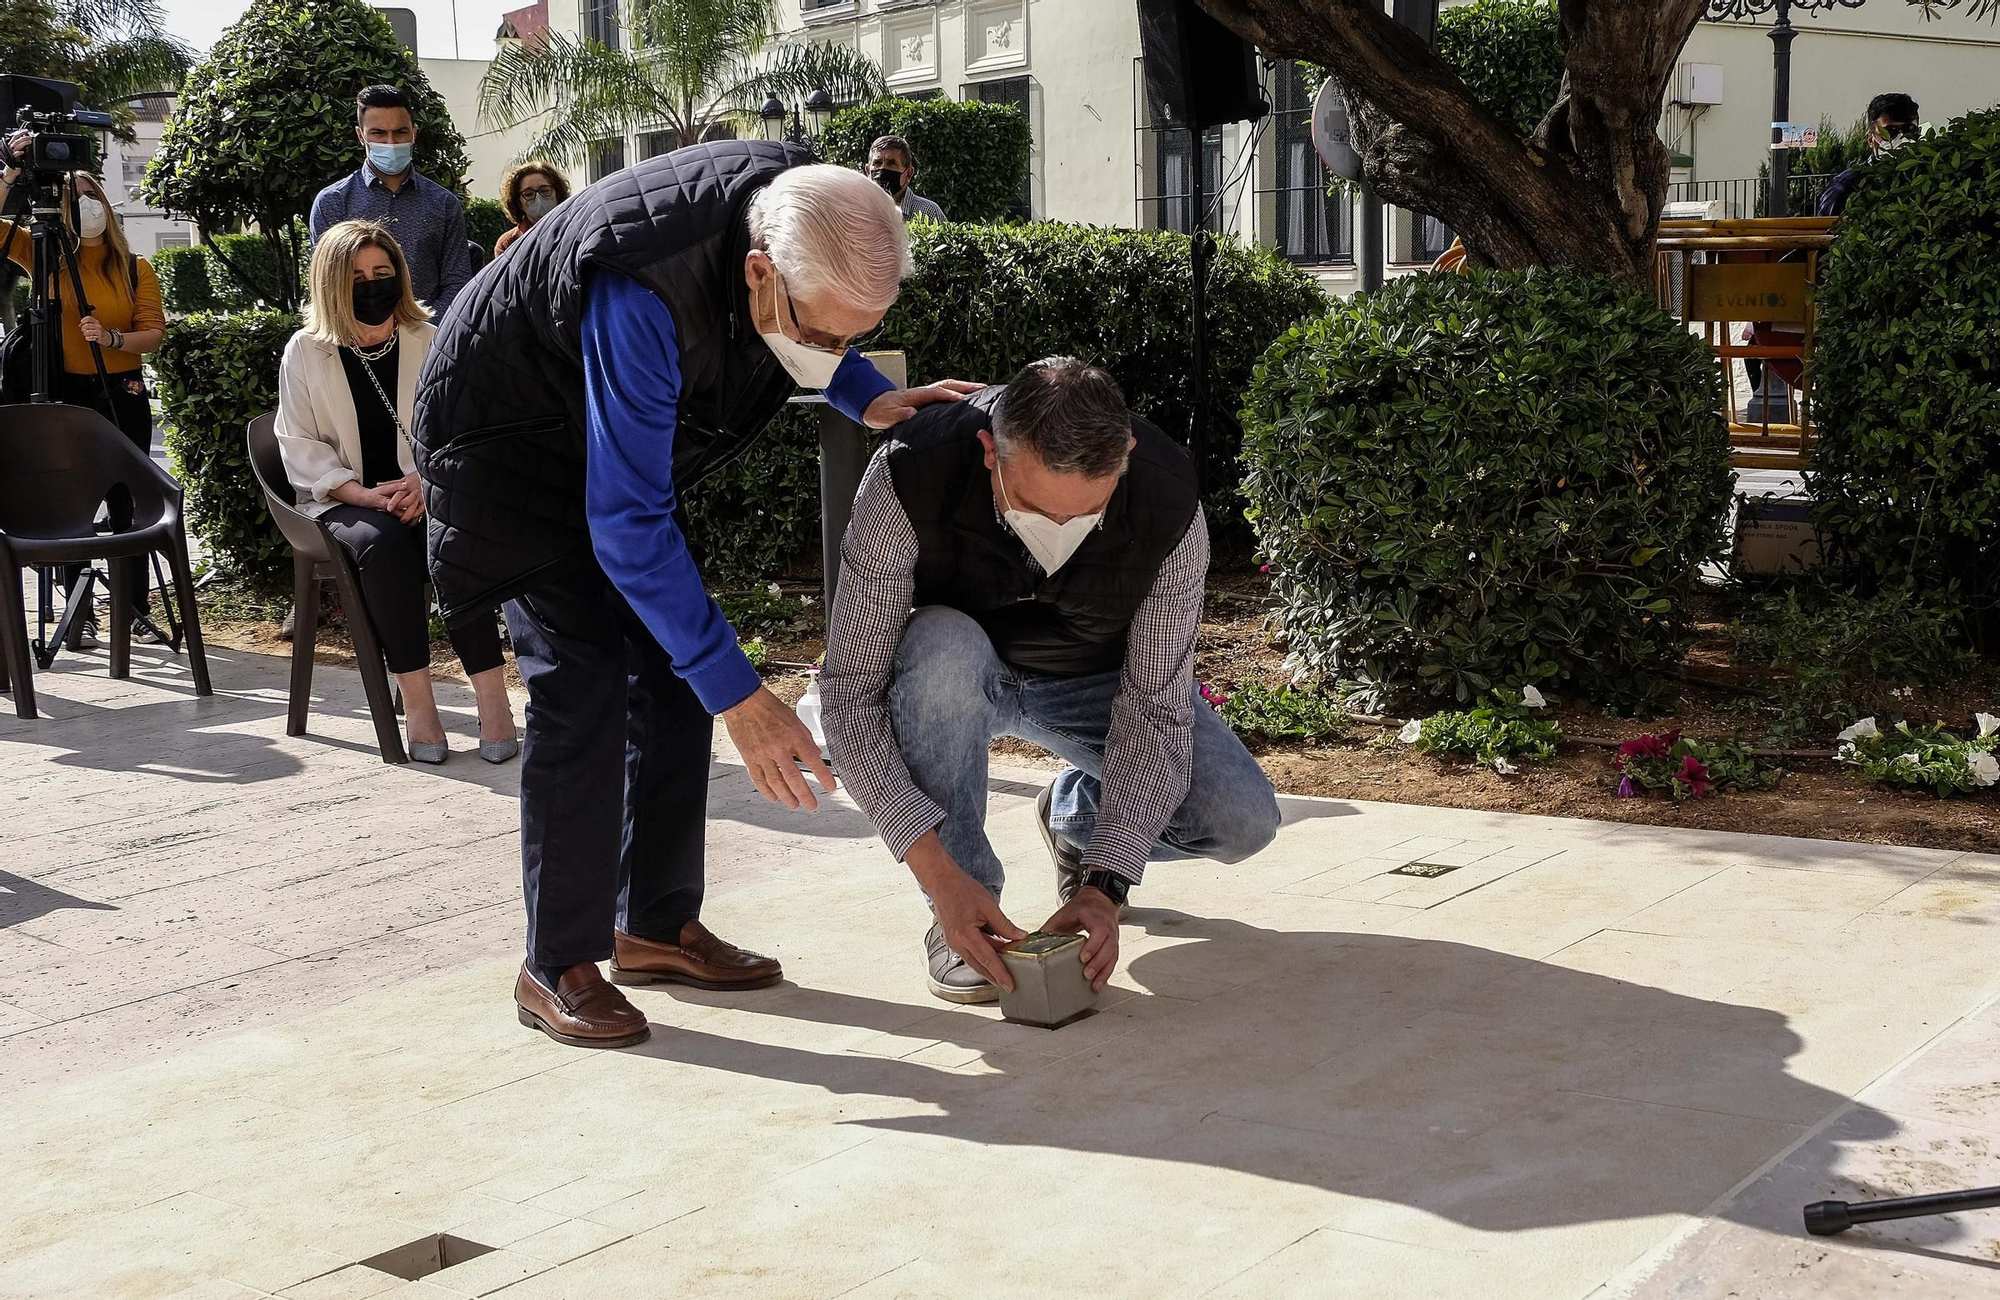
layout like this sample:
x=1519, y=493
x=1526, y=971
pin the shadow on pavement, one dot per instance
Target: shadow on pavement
x=1500, y=1092
x=24, y=900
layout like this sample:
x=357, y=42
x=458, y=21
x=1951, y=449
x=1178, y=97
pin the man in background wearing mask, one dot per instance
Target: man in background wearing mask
x=426, y=218
x=1053, y=550
x=638, y=342
x=1892, y=123
x=892, y=166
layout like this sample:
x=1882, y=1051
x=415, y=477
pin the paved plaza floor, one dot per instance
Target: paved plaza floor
x=255, y=1029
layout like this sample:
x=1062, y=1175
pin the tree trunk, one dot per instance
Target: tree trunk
x=1585, y=191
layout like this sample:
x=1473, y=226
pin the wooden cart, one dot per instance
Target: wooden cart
x=1729, y=274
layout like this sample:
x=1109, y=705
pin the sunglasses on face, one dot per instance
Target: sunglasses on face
x=1899, y=130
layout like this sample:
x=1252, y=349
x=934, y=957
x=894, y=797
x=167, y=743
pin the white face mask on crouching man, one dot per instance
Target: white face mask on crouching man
x=1052, y=544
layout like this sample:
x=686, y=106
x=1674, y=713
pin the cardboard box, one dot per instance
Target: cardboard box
x=1049, y=987
x=1774, y=535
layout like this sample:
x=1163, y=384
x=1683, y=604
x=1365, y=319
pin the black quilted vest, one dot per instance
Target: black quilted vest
x=499, y=425
x=1067, y=625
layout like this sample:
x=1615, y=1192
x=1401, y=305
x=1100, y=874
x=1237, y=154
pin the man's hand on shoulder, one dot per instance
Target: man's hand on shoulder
x=899, y=404
x=1094, y=914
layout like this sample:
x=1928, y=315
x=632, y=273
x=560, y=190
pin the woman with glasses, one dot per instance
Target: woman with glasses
x=528, y=192
x=345, y=392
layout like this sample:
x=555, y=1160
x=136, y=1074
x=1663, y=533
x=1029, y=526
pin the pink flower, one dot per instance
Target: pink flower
x=1645, y=747
x=1263, y=568
x=1215, y=698
x=1694, y=774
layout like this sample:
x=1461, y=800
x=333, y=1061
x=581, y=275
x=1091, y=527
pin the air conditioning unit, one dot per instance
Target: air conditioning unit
x=1698, y=83
x=1696, y=210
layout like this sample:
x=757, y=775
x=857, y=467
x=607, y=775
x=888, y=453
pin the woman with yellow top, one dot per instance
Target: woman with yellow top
x=125, y=319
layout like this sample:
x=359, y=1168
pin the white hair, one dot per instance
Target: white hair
x=833, y=233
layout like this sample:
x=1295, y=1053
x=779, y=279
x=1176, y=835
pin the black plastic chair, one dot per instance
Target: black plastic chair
x=317, y=555
x=58, y=466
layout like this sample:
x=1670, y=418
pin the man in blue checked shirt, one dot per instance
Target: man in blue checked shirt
x=633, y=342
x=427, y=219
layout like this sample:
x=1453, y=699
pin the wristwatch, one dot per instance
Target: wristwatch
x=1108, y=883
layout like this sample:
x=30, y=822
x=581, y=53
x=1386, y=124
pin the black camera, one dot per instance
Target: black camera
x=58, y=139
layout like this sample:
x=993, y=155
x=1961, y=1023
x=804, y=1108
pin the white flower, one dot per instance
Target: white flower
x=774, y=591
x=1845, y=753
x=1988, y=724
x=1533, y=698
x=1906, y=760
x=1903, y=727
x=807, y=601
x=1860, y=730
x=1905, y=693
x=1411, y=730
x=1504, y=768
x=1985, y=769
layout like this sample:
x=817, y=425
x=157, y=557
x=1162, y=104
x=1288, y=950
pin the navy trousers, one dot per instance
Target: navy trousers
x=614, y=774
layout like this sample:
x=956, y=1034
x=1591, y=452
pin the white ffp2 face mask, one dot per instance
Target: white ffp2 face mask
x=90, y=218
x=1052, y=544
x=809, y=367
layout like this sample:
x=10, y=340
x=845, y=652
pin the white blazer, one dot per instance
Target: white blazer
x=318, y=434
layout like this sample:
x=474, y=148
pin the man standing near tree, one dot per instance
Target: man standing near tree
x=427, y=219
x=1892, y=123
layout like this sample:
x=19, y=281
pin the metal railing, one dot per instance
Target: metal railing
x=1750, y=197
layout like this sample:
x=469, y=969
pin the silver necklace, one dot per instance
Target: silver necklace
x=382, y=350
x=380, y=392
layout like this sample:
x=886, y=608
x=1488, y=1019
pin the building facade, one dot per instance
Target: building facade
x=147, y=229
x=1074, y=67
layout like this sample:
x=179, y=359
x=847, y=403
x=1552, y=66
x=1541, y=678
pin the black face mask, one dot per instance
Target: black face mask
x=375, y=300
x=889, y=179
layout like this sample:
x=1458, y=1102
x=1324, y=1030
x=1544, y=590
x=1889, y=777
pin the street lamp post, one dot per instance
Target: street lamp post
x=1779, y=203
x=819, y=105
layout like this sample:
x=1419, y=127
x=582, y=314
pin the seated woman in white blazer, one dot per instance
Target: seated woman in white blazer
x=345, y=394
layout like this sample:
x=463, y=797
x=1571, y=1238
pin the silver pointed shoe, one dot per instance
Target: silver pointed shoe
x=499, y=751
x=428, y=751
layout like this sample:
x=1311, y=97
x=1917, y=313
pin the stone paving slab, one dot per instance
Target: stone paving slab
x=254, y=1006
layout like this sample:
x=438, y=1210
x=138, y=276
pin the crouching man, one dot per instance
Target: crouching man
x=1053, y=551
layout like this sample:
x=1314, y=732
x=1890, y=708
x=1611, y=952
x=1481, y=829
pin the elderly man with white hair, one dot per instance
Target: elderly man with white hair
x=632, y=343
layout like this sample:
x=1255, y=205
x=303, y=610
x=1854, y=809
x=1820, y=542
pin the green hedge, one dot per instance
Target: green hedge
x=485, y=222
x=1510, y=55
x=1470, y=481
x=1907, y=377
x=986, y=300
x=183, y=276
x=250, y=277
x=972, y=157
x=216, y=373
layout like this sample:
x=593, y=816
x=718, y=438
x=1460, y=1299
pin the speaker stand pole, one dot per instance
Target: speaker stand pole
x=1198, y=334
x=1369, y=252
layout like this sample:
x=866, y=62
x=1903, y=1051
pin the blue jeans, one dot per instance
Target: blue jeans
x=952, y=695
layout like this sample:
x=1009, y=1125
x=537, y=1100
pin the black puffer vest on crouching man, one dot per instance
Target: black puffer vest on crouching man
x=1068, y=624
x=499, y=424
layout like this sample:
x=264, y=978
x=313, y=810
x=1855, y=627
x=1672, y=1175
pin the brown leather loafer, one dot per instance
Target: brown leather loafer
x=582, y=1011
x=699, y=959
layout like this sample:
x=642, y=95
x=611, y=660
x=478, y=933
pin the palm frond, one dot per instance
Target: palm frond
x=1988, y=9
x=122, y=68
x=792, y=72
x=111, y=19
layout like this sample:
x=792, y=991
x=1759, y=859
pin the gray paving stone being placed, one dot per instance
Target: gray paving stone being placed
x=254, y=1032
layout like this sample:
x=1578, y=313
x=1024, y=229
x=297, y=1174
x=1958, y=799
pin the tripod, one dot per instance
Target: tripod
x=54, y=258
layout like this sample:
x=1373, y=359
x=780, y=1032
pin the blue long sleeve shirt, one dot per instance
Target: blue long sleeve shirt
x=632, y=385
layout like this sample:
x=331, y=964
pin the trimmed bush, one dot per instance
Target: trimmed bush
x=217, y=373
x=972, y=157
x=986, y=300
x=1492, y=479
x=247, y=271
x=1509, y=53
x=485, y=222
x=1907, y=377
x=183, y=276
